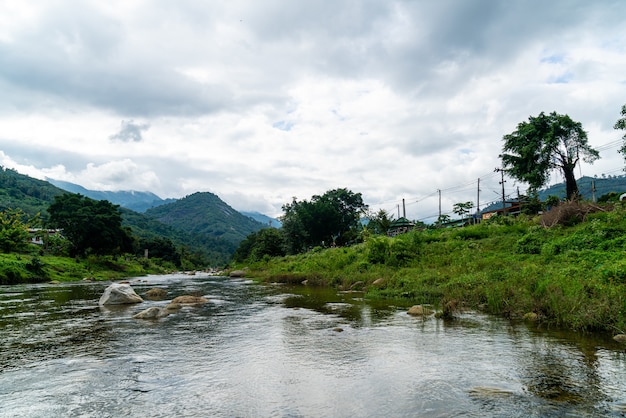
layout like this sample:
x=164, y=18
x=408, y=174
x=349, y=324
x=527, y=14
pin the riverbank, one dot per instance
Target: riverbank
x=568, y=272
x=34, y=268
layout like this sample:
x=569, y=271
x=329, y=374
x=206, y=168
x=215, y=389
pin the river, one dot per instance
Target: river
x=281, y=351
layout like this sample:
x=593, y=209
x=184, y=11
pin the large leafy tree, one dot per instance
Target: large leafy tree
x=543, y=144
x=92, y=226
x=265, y=242
x=332, y=218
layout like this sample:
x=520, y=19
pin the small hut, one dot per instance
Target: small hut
x=400, y=226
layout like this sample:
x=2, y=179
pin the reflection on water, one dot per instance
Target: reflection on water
x=288, y=352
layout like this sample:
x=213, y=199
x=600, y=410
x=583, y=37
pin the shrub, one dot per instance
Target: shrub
x=377, y=249
x=569, y=213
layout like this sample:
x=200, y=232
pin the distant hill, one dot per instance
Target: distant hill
x=603, y=185
x=206, y=214
x=264, y=219
x=133, y=200
x=586, y=186
x=18, y=191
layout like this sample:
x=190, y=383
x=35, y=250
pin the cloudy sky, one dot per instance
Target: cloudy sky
x=263, y=101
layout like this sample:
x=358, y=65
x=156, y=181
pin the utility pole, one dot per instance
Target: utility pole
x=478, y=197
x=439, y=191
x=593, y=191
x=502, y=183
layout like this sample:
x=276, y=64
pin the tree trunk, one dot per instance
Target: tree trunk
x=570, y=183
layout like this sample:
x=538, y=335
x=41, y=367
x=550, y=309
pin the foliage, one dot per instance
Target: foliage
x=30, y=195
x=206, y=215
x=24, y=268
x=571, y=274
x=159, y=247
x=329, y=219
x=13, y=231
x=92, y=226
x=543, y=144
x=462, y=208
x=379, y=222
x=268, y=242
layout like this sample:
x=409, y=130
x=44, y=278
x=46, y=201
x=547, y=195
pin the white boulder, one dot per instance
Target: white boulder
x=119, y=294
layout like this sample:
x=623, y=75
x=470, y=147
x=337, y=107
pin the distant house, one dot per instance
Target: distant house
x=400, y=226
x=514, y=209
x=37, y=234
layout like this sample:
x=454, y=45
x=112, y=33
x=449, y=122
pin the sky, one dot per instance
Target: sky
x=261, y=102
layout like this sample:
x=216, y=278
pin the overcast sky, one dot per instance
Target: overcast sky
x=263, y=101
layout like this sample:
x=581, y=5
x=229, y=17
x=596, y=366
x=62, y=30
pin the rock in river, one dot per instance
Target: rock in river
x=119, y=294
x=156, y=293
x=151, y=313
x=189, y=300
x=419, y=310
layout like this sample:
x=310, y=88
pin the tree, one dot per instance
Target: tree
x=332, y=218
x=265, y=242
x=380, y=222
x=543, y=144
x=160, y=247
x=13, y=231
x=462, y=209
x=92, y=226
x=621, y=124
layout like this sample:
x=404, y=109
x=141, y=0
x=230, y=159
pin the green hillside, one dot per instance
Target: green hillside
x=32, y=196
x=207, y=215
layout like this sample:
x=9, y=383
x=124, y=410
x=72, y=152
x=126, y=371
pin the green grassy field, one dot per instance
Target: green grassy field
x=565, y=269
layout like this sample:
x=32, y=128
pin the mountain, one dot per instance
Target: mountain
x=32, y=196
x=264, y=219
x=206, y=214
x=137, y=201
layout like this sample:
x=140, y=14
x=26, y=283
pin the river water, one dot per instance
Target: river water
x=278, y=351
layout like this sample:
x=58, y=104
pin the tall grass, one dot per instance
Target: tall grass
x=570, y=276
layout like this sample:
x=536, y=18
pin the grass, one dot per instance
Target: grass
x=569, y=276
x=31, y=267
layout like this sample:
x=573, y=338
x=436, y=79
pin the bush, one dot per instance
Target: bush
x=377, y=249
x=569, y=214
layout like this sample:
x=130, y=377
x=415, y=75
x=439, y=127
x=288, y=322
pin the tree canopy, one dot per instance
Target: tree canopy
x=332, y=218
x=543, y=144
x=92, y=226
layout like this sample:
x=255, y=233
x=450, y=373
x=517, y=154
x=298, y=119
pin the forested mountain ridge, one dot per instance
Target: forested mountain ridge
x=133, y=200
x=32, y=196
x=206, y=214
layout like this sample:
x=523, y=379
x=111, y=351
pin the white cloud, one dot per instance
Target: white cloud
x=260, y=102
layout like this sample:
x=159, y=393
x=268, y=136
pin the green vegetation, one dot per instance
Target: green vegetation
x=564, y=268
x=30, y=195
x=329, y=219
x=204, y=229
x=35, y=266
x=543, y=144
x=91, y=226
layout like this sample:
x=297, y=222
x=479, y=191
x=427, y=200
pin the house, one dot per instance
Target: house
x=400, y=226
x=37, y=234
